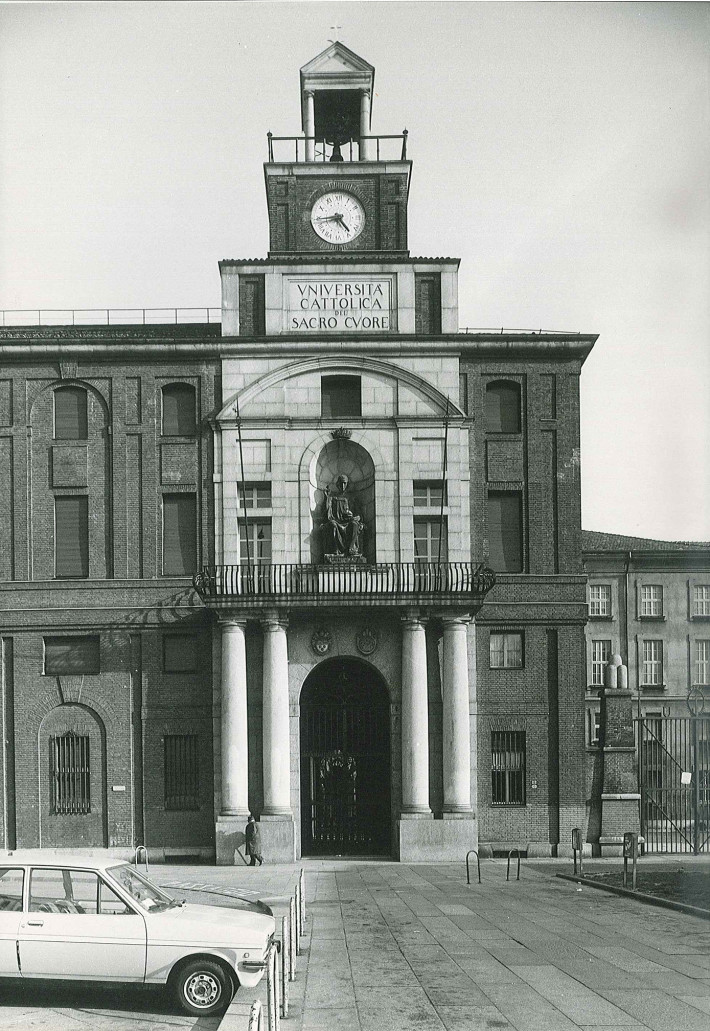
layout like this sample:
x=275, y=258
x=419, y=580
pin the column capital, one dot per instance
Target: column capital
x=365, y=91
x=411, y=619
x=273, y=621
x=308, y=94
x=452, y=622
x=231, y=622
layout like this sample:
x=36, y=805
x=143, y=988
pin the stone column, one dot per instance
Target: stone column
x=415, y=719
x=277, y=766
x=364, y=124
x=310, y=126
x=234, y=748
x=457, y=742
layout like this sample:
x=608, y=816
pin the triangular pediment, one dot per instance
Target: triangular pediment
x=336, y=59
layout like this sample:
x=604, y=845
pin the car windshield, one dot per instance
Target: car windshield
x=143, y=891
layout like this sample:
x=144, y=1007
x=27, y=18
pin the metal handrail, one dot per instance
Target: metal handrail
x=507, y=872
x=526, y=332
x=323, y=148
x=473, y=852
x=384, y=578
x=140, y=849
x=108, y=316
x=256, y=1016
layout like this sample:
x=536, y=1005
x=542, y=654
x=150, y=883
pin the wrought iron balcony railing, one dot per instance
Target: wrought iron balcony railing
x=385, y=580
x=301, y=149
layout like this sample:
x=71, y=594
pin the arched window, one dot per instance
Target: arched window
x=502, y=413
x=178, y=410
x=70, y=416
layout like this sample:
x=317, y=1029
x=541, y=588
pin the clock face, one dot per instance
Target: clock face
x=338, y=217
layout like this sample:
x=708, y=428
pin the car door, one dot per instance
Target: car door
x=78, y=927
x=11, y=883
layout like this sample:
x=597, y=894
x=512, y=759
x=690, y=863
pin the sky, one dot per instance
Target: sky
x=560, y=150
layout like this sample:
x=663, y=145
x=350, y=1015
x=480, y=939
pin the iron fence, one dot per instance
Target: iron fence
x=107, y=316
x=349, y=150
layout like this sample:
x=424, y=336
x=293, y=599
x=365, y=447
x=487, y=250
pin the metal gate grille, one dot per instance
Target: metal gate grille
x=345, y=771
x=674, y=778
x=70, y=774
x=181, y=769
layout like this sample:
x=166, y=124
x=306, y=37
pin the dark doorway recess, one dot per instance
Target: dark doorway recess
x=345, y=760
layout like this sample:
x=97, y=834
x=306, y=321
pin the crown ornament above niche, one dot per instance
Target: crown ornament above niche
x=341, y=433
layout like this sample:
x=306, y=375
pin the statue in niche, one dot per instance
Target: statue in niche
x=344, y=530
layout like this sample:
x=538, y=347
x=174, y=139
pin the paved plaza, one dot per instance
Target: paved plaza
x=393, y=947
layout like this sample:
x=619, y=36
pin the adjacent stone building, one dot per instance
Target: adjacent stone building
x=384, y=649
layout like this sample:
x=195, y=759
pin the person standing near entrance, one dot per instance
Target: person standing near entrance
x=253, y=841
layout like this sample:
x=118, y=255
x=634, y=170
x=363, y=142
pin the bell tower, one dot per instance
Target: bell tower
x=337, y=188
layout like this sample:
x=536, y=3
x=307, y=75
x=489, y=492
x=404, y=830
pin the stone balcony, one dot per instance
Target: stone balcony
x=460, y=584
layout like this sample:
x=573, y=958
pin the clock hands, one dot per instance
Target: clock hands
x=334, y=218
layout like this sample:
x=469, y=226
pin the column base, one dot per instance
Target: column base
x=229, y=836
x=278, y=838
x=436, y=841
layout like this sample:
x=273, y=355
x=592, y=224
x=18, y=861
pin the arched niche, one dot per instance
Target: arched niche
x=343, y=457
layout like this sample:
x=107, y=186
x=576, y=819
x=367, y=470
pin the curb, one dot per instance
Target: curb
x=640, y=896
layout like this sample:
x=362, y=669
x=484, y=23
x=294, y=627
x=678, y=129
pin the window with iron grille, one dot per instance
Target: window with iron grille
x=651, y=600
x=182, y=771
x=70, y=414
x=506, y=651
x=702, y=662
x=601, y=650
x=701, y=600
x=600, y=600
x=652, y=663
x=178, y=410
x=254, y=495
x=70, y=774
x=508, y=767
x=258, y=534
x=340, y=396
x=430, y=540
x=427, y=493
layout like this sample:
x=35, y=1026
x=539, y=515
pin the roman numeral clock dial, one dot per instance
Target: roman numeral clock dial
x=338, y=217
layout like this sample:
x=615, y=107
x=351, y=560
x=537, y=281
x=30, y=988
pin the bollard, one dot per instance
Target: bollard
x=577, y=847
x=630, y=851
x=473, y=852
x=140, y=850
x=292, y=940
x=272, y=991
x=299, y=929
x=302, y=885
x=507, y=872
x=285, y=964
x=256, y=1013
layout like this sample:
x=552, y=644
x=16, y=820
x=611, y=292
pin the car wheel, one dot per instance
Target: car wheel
x=203, y=987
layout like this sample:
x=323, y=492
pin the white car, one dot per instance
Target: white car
x=90, y=919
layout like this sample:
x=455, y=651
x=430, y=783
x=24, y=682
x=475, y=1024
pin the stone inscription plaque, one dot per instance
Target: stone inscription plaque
x=342, y=304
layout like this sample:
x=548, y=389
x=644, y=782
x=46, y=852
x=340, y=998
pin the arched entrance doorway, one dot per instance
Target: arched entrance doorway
x=345, y=760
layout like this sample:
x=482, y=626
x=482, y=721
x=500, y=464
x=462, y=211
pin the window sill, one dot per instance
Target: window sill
x=507, y=805
x=651, y=619
x=601, y=619
x=652, y=687
x=699, y=619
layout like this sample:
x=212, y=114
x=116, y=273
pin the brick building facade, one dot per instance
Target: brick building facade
x=343, y=468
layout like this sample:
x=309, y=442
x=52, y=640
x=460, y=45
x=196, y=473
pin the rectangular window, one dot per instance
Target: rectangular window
x=506, y=651
x=701, y=600
x=430, y=540
x=71, y=537
x=505, y=531
x=652, y=663
x=601, y=651
x=508, y=767
x=182, y=768
x=258, y=534
x=179, y=534
x=70, y=414
x=180, y=653
x=702, y=662
x=428, y=493
x=427, y=303
x=341, y=396
x=65, y=656
x=600, y=600
x=593, y=726
x=70, y=774
x=651, y=600
x=254, y=495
